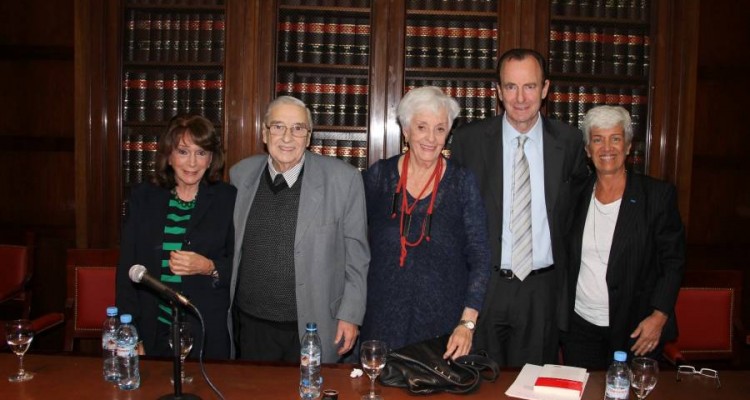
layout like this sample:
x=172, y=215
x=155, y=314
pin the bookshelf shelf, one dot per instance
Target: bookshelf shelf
x=452, y=14
x=598, y=78
x=322, y=9
x=331, y=67
x=174, y=8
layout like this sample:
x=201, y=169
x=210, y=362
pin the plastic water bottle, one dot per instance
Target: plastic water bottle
x=618, y=378
x=127, y=354
x=109, y=346
x=310, y=380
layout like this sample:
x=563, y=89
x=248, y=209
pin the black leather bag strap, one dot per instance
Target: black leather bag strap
x=487, y=368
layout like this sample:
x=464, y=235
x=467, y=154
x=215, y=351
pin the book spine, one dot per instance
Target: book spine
x=136, y=158
x=130, y=35
x=359, y=154
x=555, y=48
x=595, y=37
x=174, y=53
x=620, y=47
x=485, y=45
x=284, y=44
x=171, y=99
x=362, y=44
x=205, y=36
x=346, y=38
x=634, y=60
x=125, y=157
x=411, y=46
x=328, y=101
x=218, y=38
x=155, y=37
x=423, y=44
x=585, y=8
x=185, y=38
x=572, y=107
x=215, y=97
x=344, y=150
x=440, y=41
x=142, y=36
x=166, y=37
x=610, y=8
x=194, y=38
x=316, y=145
x=198, y=93
x=360, y=102
x=582, y=63
x=568, y=49
x=314, y=40
x=471, y=43
x=127, y=97
x=155, y=96
x=300, y=36
x=140, y=86
x=556, y=103
x=150, y=145
x=331, y=40
x=608, y=51
x=569, y=8
x=183, y=93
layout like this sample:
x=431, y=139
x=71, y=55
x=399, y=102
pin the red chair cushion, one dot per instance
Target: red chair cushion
x=95, y=291
x=14, y=261
x=704, y=320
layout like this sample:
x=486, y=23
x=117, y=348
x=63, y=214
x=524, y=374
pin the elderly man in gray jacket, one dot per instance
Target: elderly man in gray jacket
x=301, y=250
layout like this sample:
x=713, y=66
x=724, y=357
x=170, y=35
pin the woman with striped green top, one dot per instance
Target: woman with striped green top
x=180, y=228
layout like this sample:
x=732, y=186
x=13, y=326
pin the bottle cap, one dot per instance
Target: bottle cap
x=312, y=326
x=621, y=356
x=111, y=311
x=126, y=318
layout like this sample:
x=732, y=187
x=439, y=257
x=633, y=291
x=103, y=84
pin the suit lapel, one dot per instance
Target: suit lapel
x=311, y=195
x=553, y=163
x=581, y=212
x=631, y=206
x=493, y=161
x=245, y=195
x=202, y=205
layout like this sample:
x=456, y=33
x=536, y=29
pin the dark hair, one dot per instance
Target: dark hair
x=521, y=54
x=203, y=133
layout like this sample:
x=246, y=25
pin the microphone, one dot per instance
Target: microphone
x=138, y=274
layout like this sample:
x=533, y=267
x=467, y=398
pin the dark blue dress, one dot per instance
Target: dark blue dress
x=440, y=277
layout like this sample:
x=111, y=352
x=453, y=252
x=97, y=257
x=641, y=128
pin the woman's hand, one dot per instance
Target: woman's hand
x=460, y=341
x=189, y=263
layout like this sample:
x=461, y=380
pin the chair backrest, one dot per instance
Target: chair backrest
x=705, y=321
x=15, y=275
x=91, y=289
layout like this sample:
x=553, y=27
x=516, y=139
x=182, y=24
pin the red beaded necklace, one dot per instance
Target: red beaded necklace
x=406, y=209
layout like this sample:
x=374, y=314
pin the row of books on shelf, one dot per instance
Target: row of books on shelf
x=174, y=37
x=177, y=2
x=138, y=155
x=323, y=39
x=350, y=147
x=569, y=103
x=450, y=44
x=333, y=100
x=476, y=98
x=156, y=96
x=453, y=5
x=599, y=50
x=327, y=3
x=636, y=10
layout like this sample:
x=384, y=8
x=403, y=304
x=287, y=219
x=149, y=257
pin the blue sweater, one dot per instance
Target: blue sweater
x=425, y=297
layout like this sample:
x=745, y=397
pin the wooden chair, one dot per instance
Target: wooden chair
x=15, y=276
x=708, y=318
x=91, y=289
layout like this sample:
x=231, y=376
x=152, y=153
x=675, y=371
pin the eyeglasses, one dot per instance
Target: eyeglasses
x=297, y=130
x=690, y=370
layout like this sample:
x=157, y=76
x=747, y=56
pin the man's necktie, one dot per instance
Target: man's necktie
x=520, y=214
x=279, y=183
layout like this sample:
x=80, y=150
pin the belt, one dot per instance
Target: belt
x=508, y=274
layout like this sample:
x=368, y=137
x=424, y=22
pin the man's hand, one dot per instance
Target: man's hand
x=346, y=335
x=648, y=333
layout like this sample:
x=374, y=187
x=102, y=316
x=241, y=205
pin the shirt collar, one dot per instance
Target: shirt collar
x=510, y=133
x=291, y=175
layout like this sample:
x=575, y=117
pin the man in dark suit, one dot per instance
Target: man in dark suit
x=523, y=307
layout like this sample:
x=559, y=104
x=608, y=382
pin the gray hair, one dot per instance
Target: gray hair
x=428, y=98
x=289, y=100
x=605, y=117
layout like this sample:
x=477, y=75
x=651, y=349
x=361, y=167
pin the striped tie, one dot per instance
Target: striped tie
x=520, y=214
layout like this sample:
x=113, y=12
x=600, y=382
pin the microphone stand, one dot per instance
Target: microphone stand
x=176, y=360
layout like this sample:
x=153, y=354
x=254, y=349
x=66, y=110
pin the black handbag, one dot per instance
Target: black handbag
x=421, y=369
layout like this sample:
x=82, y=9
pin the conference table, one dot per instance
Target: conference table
x=68, y=376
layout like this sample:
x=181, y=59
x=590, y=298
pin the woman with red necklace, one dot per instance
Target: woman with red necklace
x=428, y=235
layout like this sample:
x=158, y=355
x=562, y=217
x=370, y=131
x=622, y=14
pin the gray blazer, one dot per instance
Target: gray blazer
x=331, y=252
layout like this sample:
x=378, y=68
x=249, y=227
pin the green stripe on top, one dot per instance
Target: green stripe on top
x=165, y=263
x=175, y=230
x=175, y=204
x=178, y=218
x=171, y=278
x=169, y=246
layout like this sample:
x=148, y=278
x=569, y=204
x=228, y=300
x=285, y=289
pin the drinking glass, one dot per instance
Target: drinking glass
x=186, y=344
x=372, y=354
x=19, y=335
x=645, y=373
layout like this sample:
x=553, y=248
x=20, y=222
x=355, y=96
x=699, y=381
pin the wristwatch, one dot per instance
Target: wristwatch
x=468, y=324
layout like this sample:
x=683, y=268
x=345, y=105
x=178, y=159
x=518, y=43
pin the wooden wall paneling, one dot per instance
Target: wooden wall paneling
x=673, y=96
x=248, y=71
x=387, y=36
x=97, y=177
